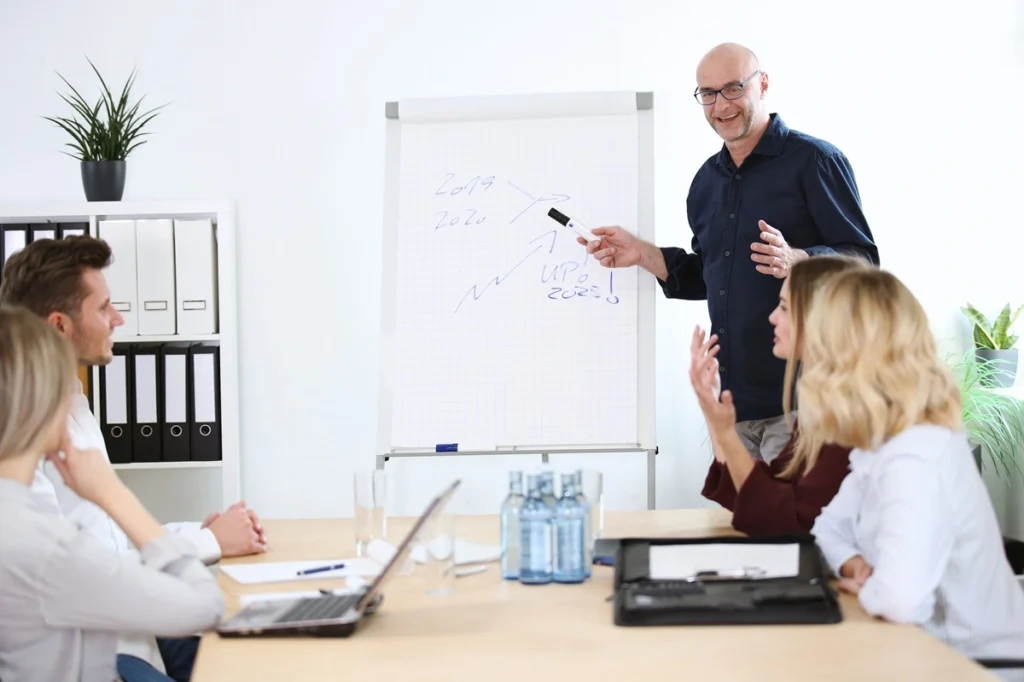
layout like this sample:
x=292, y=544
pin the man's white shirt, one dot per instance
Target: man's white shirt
x=50, y=489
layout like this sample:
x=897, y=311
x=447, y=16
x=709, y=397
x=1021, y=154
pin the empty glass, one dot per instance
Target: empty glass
x=592, y=485
x=372, y=496
x=436, y=550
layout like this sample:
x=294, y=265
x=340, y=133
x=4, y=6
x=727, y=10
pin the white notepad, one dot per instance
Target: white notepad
x=285, y=571
x=678, y=562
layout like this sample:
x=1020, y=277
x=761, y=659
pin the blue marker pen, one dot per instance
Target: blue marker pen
x=455, y=447
x=574, y=225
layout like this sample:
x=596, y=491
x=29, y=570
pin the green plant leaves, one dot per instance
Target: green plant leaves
x=993, y=335
x=1000, y=326
x=108, y=130
x=993, y=420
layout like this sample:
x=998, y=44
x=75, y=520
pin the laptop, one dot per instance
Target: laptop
x=329, y=615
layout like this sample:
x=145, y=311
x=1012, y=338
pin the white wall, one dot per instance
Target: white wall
x=282, y=110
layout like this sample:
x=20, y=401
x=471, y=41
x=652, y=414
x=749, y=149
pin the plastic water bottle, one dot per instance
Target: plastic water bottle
x=569, y=535
x=510, y=531
x=588, y=524
x=536, y=549
x=547, y=489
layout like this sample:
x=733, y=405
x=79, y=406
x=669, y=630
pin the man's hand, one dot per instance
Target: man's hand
x=236, y=532
x=616, y=248
x=855, y=572
x=256, y=525
x=210, y=519
x=774, y=255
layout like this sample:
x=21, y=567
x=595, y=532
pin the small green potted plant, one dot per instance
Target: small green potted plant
x=994, y=421
x=103, y=135
x=994, y=344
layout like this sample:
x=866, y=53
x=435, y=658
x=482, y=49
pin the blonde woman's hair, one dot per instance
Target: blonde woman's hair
x=871, y=369
x=38, y=372
x=805, y=277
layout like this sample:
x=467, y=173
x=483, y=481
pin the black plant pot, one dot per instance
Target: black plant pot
x=103, y=180
x=1003, y=365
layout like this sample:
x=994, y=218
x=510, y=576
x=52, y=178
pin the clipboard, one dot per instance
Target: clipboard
x=747, y=595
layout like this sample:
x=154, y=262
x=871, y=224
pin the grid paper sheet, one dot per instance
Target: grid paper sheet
x=507, y=332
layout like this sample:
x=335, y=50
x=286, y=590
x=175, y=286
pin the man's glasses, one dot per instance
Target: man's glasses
x=732, y=91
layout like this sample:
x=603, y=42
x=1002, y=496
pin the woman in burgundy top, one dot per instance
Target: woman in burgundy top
x=786, y=495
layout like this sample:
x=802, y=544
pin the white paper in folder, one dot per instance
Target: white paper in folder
x=287, y=571
x=678, y=562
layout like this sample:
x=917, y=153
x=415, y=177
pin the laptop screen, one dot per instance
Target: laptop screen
x=435, y=507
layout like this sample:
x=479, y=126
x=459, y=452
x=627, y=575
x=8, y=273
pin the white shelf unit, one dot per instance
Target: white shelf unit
x=222, y=214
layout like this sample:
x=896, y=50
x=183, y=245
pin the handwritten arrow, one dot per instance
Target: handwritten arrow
x=476, y=292
x=555, y=198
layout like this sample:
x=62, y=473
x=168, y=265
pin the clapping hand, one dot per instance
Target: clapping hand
x=775, y=257
x=717, y=405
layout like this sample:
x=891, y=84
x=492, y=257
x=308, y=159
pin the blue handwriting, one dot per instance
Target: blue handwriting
x=580, y=289
x=485, y=182
x=477, y=292
x=471, y=218
x=556, y=198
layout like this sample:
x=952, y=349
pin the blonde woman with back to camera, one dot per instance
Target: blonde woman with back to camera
x=63, y=596
x=911, y=531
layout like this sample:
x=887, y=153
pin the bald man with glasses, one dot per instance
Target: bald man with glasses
x=770, y=197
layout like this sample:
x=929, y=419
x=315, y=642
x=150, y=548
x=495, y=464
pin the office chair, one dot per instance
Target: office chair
x=1015, y=555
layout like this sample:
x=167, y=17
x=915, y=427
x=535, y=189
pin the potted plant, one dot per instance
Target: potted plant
x=994, y=344
x=994, y=421
x=103, y=135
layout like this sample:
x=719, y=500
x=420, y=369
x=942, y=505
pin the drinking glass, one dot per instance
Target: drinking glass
x=372, y=497
x=592, y=483
x=436, y=548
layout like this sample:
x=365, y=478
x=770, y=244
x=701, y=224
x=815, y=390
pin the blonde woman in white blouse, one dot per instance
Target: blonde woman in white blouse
x=64, y=597
x=912, y=531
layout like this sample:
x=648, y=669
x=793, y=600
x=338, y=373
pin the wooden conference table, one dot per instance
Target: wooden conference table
x=492, y=630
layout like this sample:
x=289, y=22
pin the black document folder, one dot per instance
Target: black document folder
x=13, y=238
x=204, y=406
x=146, y=432
x=174, y=406
x=39, y=231
x=72, y=230
x=700, y=599
x=115, y=406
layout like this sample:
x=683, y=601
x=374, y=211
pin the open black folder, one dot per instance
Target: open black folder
x=728, y=598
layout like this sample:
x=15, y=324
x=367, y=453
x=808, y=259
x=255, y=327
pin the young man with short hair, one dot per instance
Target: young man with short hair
x=62, y=281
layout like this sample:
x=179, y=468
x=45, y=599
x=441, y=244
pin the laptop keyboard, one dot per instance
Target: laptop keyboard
x=319, y=608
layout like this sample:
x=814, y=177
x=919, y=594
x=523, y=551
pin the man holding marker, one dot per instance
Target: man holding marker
x=771, y=194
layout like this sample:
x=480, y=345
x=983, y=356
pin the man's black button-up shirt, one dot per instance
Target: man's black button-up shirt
x=798, y=184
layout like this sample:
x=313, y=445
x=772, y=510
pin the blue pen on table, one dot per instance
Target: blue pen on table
x=320, y=569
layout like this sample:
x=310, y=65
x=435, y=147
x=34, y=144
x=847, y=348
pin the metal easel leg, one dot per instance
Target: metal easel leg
x=651, y=483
